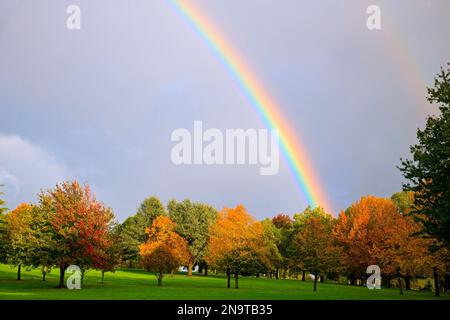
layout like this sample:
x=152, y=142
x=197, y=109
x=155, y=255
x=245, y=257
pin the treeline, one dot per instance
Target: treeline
x=70, y=226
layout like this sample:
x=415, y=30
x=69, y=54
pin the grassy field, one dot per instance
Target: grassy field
x=135, y=284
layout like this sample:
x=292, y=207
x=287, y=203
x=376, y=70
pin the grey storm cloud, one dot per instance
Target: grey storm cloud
x=99, y=104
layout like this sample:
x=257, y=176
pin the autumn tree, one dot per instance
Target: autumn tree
x=193, y=221
x=313, y=245
x=236, y=242
x=21, y=236
x=374, y=231
x=359, y=232
x=111, y=258
x=165, y=250
x=80, y=225
x=282, y=221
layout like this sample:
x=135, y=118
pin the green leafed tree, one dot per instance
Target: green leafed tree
x=22, y=237
x=404, y=201
x=132, y=230
x=193, y=221
x=313, y=247
x=149, y=209
x=428, y=172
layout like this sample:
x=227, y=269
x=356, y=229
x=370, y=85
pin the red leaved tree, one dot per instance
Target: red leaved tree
x=81, y=226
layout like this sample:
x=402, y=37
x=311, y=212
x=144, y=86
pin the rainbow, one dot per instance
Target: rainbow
x=259, y=98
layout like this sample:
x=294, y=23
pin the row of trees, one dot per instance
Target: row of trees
x=407, y=235
x=67, y=226
x=372, y=231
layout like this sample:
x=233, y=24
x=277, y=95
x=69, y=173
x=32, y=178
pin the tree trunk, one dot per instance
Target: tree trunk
x=206, y=269
x=190, y=265
x=400, y=281
x=103, y=275
x=43, y=275
x=322, y=279
x=408, y=283
x=436, y=282
x=303, y=276
x=200, y=267
x=82, y=275
x=19, y=267
x=236, y=277
x=352, y=279
x=62, y=270
x=228, y=277
x=277, y=273
x=160, y=277
x=446, y=282
x=315, y=281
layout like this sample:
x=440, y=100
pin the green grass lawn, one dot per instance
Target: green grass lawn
x=136, y=284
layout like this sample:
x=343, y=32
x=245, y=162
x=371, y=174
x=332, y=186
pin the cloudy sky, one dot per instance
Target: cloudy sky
x=99, y=104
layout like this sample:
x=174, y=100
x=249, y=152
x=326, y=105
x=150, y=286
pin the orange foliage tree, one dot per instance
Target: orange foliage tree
x=373, y=231
x=237, y=243
x=165, y=250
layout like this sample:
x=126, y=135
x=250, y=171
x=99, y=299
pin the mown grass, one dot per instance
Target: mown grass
x=137, y=284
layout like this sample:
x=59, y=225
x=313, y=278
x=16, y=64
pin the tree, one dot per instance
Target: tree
x=164, y=250
x=236, y=242
x=80, y=225
x=404, y=201
x=405, y=254
x=193, y=221
x=130, y=233
x=270, y=257
x=314, y=245
x=150, y=209
x=374, y=231
x=284, y=224
x=44, y=243
x=428, y=173
x=362, y=231
x=112, y=256
x=282, y=221
x=132, y=230
x=21, y=236
x=4, y=239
